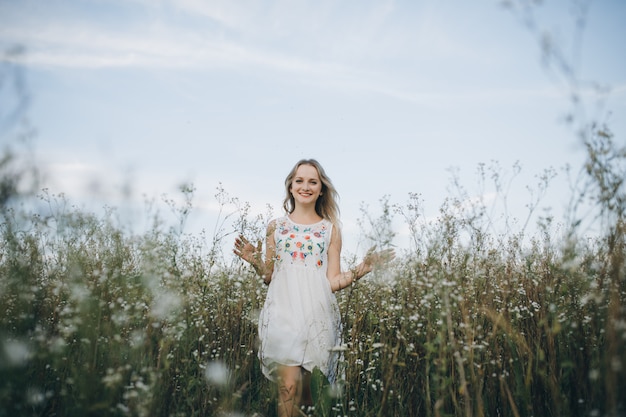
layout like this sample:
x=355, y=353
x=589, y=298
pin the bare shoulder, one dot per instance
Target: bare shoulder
x=271, y=226
x=335, y=234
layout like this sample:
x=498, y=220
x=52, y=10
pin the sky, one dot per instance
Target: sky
x=133, y=98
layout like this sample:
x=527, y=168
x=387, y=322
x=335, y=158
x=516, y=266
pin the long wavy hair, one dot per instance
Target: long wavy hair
x=326, y=205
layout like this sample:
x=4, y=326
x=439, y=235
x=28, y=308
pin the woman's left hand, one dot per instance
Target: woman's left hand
x=375, y=258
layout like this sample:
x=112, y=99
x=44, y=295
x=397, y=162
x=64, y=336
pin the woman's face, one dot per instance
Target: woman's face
x=306, y=186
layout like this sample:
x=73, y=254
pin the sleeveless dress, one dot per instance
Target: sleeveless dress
x=300, y=321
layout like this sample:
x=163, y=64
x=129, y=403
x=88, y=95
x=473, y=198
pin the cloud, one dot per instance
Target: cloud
x=232, y=15
x=284, y=36
x=78, y=46
x=362, y=48
x=74, y=45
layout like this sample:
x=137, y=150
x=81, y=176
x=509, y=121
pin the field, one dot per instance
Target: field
x=97, y=321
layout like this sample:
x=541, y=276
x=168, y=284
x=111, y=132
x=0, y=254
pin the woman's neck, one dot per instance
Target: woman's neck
x=305, y=215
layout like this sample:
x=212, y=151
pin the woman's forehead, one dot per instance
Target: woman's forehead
x=307, y=171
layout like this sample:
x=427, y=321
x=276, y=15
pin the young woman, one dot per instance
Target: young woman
x=300, y=321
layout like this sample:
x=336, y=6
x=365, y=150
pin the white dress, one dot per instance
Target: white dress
x=300, y=321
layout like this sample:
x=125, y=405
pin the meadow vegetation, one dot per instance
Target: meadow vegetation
x=469, y=320
x=96, y=320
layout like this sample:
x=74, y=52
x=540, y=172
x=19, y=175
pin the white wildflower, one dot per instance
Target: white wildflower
x=16, y=352
x=217, y=373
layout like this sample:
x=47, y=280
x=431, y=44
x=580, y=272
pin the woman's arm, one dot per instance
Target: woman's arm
x=253, y=255
x=340, y=280
x=270, y=253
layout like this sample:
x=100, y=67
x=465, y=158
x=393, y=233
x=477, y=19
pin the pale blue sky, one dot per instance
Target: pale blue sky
x=387, y=95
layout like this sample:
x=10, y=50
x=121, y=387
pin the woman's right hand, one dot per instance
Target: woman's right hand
x=247, y=251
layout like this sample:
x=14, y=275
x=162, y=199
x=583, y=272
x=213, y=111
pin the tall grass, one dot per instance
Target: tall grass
x=96, y=320
x=471, y=320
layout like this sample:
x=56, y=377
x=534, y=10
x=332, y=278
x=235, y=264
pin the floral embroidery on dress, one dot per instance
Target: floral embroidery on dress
x=299, y=243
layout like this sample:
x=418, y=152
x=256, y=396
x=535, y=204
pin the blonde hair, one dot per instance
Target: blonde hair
x=327, y=203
